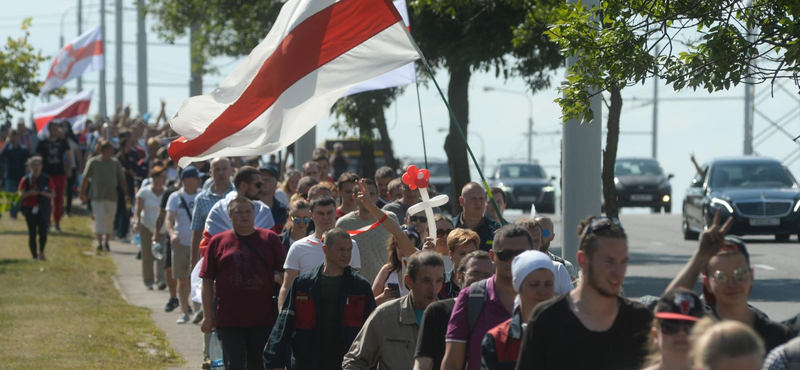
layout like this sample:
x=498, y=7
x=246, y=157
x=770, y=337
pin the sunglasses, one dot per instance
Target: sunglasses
x=506, y=255
x=601, y=223
x=418, y=219
x=672, y=327
x=740, y=275
x=258, y=185
x=442, y=232
x=305, y=220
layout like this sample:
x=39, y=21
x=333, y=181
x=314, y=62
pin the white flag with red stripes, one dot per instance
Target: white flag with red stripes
x=73, y=110
x=315, y=52
x=84, y=54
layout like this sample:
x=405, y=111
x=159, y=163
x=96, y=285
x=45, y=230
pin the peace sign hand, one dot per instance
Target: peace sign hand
x=713, y=238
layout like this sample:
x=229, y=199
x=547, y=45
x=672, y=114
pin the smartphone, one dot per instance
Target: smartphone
x=395, y=287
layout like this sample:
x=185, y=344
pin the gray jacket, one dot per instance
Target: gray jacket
x=388, y=338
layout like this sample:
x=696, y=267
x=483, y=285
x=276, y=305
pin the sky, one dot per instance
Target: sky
x=708, y=125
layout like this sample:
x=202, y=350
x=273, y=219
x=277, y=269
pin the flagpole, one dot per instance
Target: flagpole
x=80, y=32
x=103, y=70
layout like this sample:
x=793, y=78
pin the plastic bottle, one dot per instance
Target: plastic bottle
x=215, y=352
x=137, y=239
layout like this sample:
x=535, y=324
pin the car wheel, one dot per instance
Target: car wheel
x=688, y=234
x=668, y=208
x=656, y=210
x=783, y=238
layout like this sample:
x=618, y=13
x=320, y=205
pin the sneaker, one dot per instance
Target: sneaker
x=139, y=255
x=172, y=304
x=106, y=247
x=162, y=285
x=150, y=287
x=99, y=247
x=182, y=319
x=57, y=229
x=198, y=316
x=41, y=256
x=206, y=363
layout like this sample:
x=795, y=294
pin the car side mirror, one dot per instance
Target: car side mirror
x=670, y=176
x=696, y=184
x=552, y=178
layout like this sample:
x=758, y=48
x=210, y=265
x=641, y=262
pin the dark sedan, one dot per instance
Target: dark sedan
x=641, y=182
x=525, y=184
x=760, y=194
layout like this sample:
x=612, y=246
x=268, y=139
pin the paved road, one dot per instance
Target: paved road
x=658, y=252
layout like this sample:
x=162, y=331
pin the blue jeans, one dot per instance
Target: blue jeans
x=11, y=187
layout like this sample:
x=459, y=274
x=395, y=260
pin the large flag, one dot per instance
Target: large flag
x=84, y=54
x=402, y=76
x=73, y=109
x=315, y=52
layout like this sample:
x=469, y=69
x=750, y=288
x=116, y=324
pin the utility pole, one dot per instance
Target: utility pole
x=749, y=91
x=530, y=138
x=80, y=32
x=118, y=87
x=141, y=57
x=580, y=174
x=655, y=116
x=103, y=71
x=196, y=79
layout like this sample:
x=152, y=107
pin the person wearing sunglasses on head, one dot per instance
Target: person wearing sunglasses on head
x=473, y=216
x=728, y=280
x=609, y=331
x=486, y=303
x=676, y=313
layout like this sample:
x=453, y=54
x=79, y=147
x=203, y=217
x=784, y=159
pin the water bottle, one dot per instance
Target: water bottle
x=137, y=239
x=215, y=352
x=158, y=251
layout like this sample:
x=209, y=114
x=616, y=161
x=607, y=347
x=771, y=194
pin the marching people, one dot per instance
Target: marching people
x=460, y=243
x=297, y=225
x=676, y=312
x=324, y=311
x=280, y=213
x=548, y=235
x=36, y=192
x=726, y=345
x=383, y=176
x=500, y=198
x=473, y=216
x=178, y=226
x=145, y=215
x=106, y=174
x=56, y=164
x=16, y=157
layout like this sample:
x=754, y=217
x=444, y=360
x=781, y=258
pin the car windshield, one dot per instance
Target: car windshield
x=751, y=175
x=637, y=168
x=436, y=168
x=521, y=171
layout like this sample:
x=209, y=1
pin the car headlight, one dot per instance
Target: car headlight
x=506, y=188
x=549, y=189
x=797, y=205
x=721, y=203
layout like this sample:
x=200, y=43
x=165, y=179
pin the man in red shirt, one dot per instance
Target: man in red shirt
x=242, y=263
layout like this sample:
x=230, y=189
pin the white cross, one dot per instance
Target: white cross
x=427, y=204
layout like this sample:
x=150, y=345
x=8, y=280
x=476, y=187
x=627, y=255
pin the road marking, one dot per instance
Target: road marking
x=658, y=244
x=765, y=267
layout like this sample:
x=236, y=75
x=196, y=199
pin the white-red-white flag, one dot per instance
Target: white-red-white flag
x=315, y=52
x=84, y=54
x=73, y=109
x=402, y=76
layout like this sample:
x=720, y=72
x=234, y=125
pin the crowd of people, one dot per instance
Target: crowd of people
x=318, y=268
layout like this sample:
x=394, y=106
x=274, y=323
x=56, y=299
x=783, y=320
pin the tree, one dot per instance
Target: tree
x=364, y=113
x=706, y=44
x=466, y=36
x=19, y=63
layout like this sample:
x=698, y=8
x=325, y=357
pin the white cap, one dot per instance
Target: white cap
x=527, y=262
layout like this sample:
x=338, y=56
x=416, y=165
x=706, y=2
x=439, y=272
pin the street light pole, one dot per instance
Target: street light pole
x=530, y=114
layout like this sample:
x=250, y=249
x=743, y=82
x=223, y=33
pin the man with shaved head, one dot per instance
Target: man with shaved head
x=221, y=173
x=548, y=235
x=473, y=217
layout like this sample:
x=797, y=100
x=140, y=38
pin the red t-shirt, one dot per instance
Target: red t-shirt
x=33, y=201
x=244, y=285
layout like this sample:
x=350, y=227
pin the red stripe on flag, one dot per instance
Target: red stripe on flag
x=311, y=44
x=80, y=107
x=88, y=51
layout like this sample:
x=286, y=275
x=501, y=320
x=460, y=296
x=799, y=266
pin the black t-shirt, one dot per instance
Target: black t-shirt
x=771, y=332
x=52, y=153
x=556, y=339
x=432, y=331
x=330, y=329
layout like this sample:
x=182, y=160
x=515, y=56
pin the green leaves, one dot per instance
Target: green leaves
x=19, y=63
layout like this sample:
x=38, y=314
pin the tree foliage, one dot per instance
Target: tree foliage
x=705, y=44
x=19, y=63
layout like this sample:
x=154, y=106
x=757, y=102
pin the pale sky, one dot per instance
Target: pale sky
x=709, y=128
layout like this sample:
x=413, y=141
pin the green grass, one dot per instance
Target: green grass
x=66, y=313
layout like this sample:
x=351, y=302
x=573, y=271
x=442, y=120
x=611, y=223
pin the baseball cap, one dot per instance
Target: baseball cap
x=271, y=169
x=680, y=304
x=190, y=172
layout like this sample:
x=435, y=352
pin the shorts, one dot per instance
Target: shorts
x=104, y=212
x=181, y=261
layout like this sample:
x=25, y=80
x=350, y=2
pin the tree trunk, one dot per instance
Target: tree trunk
x=454, y=145
x=386, y=142
x=367, y=149
x=610, y=153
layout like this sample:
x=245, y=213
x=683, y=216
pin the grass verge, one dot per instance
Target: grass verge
x=66, y=313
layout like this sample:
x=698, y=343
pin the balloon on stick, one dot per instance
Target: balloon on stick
x=419, y=179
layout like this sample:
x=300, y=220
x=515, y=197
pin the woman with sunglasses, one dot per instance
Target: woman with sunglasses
x=297, y=225
x=676, y=313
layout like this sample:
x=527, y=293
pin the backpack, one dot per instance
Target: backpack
x=477, y=297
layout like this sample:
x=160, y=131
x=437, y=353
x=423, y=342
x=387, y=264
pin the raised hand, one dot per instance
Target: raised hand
x=713, y=238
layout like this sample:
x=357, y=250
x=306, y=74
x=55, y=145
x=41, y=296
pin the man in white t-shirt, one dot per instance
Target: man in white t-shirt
x=306, y=254
x=179, y=228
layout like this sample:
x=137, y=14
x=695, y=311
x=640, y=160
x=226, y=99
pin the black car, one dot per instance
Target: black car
x=525, y=184
x=641, y=182
x=760, y=194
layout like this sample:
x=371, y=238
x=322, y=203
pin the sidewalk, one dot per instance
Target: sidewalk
x=187, y=338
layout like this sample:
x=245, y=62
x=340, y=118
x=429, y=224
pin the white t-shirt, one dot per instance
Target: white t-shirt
x=306, y=254
x=183, y=225
x=152, y=205
x=281, y=196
